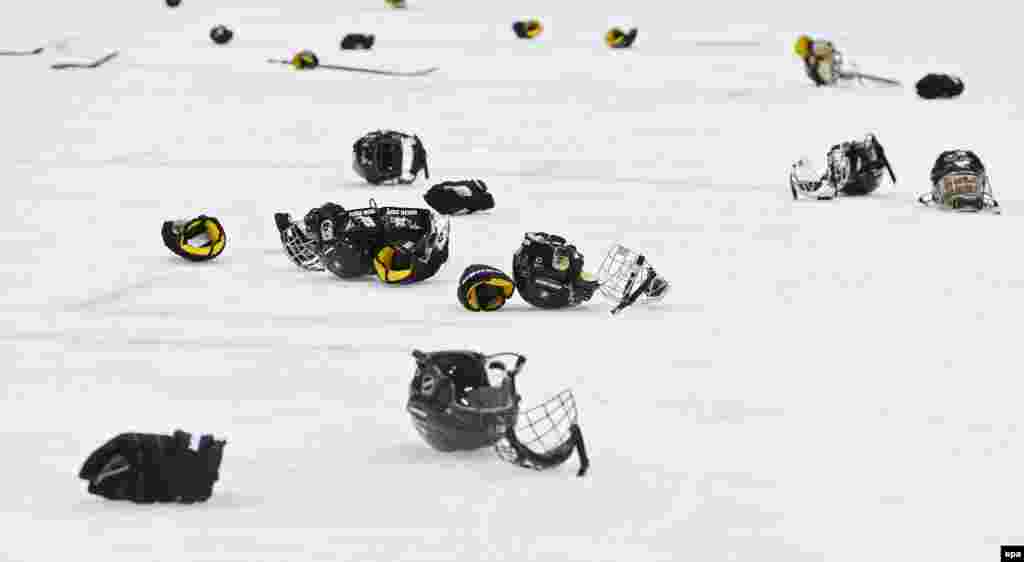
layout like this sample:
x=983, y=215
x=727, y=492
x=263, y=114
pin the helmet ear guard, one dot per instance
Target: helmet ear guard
x=199, y=239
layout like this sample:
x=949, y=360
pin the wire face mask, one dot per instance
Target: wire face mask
x=961, y=191
x=960, y=183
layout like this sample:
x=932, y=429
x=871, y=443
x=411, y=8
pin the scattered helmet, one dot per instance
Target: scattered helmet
x=960, y=182
x=616, y=38
x=463, y=400
x=527, y=29
x=221, y=34
x=384, y=156
x=802, y=47
x=305, y=60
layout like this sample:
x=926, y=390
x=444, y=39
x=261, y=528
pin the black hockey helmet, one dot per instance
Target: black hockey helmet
x=546, y=270
x=857, y=167
x=382, y=156
x=960, y=182
x=547, y=255
x=463, y=400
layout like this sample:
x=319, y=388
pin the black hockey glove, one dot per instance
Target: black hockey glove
x=198, y=239
x=148, y=467
x=353, y=41
x=934, y=86
x=459, y=197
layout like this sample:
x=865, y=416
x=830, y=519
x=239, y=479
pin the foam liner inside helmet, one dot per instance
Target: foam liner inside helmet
x=384, y=156
x=198, y=239
x=463, y=400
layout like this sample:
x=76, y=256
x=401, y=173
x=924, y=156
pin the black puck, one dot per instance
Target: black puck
x=173, y=3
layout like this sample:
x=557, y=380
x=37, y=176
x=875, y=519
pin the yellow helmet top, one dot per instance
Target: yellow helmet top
x=614, y=37
x=802, y=47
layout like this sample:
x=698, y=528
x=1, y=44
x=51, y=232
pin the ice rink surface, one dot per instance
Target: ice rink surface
x=828, y=381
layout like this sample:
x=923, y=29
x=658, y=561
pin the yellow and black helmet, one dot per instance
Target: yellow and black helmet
x=198, y=239
x=527, y=29
x=616, y=38
x=802, y=47
x=484, y=288
x=304, y=60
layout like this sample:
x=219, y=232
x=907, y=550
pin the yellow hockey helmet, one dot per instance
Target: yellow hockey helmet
x=802, y=47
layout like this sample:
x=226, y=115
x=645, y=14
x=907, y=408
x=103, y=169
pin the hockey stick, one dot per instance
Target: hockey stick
x=872, y=77
x=35, y=51
x=422, y=72
x=94, y=64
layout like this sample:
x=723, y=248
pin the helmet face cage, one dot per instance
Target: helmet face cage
x=545, y=427
x=300, y=248
x=623, y=272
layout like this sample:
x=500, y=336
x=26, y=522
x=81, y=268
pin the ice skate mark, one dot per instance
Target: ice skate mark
x=117, y=294
x=116, y=341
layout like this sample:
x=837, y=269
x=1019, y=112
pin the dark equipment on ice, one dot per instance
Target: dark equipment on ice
x=934, y=86
x=483, y=288
x=548, y=272
x=527, y=29
x=386, y=156
x=852, y=168
x=149, y=467
x=460, y=197
x=357, y=41
x=960, y=182
x=199, y=239
x=616, y=38
x=221, y=34
x=465, y=400
x=458, y=403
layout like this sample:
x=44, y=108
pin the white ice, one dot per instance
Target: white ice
x=828, y=381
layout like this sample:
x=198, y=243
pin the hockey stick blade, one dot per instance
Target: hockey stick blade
x=94, y=64
x=35, y=51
